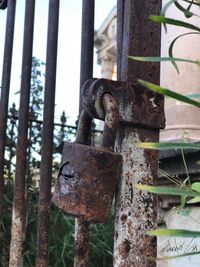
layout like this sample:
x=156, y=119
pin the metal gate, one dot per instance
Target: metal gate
x=135, y=211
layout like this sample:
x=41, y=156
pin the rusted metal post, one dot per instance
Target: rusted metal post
x=5, y=87
x=18, y=213
x=87, y=42
x=136, y=210
x=81, y=256
x=47, y=137
x=81, y=239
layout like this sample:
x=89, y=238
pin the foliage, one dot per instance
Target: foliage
x=184, y=189
x=61, y=236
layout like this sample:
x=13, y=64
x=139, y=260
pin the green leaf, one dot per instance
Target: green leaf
x=162, y=19
x=194, y=200
x=192, y=2
x=159, y=59
x=165, y=7
x=183, y=201
x=165, y=190
x=196, y=186
x=174, y=232
x=168, y=145
x=194, y=96
x=172, y=46
x=164, y=10
x=167, y=92
x=186, y=12
x=177, y=256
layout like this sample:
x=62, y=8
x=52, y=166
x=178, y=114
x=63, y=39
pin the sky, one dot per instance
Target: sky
x=68, y=61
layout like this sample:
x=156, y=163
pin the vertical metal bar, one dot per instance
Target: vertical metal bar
x=87, y=42
x=140, y=37
x=81, y=257
x=5, y=87
x=136, y=210
x=18, y=213
x=120, y=21
x=47, y=137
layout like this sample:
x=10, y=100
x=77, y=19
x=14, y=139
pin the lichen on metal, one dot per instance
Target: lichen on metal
x=135, y=210
x=15, y=246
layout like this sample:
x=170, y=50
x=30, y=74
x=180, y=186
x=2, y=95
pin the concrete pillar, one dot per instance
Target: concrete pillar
x=171, y=246
x=107, y=68
x=182, y=120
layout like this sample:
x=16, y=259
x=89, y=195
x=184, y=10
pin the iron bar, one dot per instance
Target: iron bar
x=18, y=213
x=136, y=210
x=81, y=237
x=141, y=36
x=87, y=42
x=111, y=109
x=47, y=137
x=86, y=72
x=120, y=19
x=5, y=88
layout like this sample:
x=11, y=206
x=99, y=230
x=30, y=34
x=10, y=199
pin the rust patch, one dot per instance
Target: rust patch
x=125, y=248
x=87, y=182
x=123, y=218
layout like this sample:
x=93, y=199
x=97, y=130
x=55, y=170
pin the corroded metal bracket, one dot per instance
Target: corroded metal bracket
x=137, y=104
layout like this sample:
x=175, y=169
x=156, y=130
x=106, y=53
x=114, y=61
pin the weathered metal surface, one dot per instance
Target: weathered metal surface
x=111, y=110
x=86, y=72
x=87, y=180
x=81, y=252
x=5, y=87
x=141, y=37
x=85, y=122
x=137, y=105
x=136, y=210
x=4, y=3
x=47, y=137
x=18, y=213
x=120, y=19
x=81, y=237
x=87, y=42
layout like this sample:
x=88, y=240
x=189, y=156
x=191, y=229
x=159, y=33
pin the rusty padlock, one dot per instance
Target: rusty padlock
x=87, y=179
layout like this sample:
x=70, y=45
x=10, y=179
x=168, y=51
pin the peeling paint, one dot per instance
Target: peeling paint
x=16, y=248
x=135, y=210
x=127, y=111
x=152, y=100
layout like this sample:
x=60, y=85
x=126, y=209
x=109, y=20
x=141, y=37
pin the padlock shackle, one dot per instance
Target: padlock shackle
x=84, y=128
x=111, y=110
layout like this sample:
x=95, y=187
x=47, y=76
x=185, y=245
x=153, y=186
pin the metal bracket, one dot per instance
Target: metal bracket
x=137, y=105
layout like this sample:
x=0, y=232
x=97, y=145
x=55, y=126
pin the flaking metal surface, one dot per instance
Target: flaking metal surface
x=87, y=181
x=43, y=226
x=136, y=210
x=137, y=104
